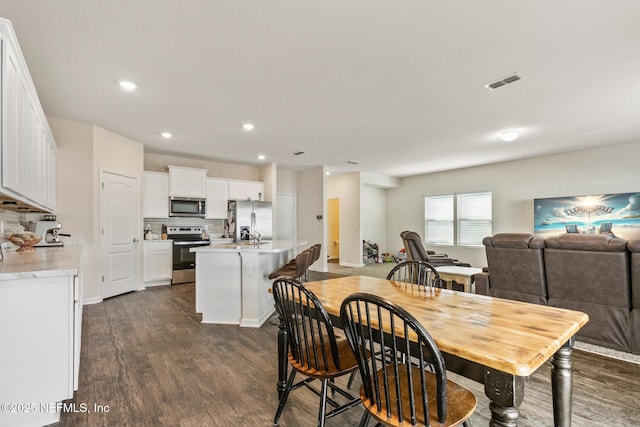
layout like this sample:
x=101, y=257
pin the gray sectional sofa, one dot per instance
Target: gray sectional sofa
x=594, y=273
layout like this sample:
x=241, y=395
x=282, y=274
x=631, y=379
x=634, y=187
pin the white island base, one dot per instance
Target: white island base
x=232, y=284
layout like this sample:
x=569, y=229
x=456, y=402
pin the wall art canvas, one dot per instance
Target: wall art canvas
x=613, y=214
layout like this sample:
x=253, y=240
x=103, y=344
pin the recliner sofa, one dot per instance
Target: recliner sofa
x=593, y=273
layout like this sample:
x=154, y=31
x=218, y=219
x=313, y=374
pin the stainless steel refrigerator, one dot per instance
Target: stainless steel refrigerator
x=246, y=217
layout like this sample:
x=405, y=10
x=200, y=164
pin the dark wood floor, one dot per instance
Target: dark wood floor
x=148, y=360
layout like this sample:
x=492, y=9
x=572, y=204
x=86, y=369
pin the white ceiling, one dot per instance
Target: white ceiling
x=395, y=85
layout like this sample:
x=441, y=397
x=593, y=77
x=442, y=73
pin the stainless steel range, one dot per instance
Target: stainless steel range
x=184, y=238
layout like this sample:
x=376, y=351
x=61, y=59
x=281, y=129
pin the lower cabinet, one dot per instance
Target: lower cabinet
x=40, y=345
x=158, y=262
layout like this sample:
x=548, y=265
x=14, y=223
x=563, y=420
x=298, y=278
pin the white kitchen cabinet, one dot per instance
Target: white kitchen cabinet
x=217, y=197
x=37, y=361
x=156, y=195
x=28, y=171
x=187, y=182
x=246, y=190
x=158, y=262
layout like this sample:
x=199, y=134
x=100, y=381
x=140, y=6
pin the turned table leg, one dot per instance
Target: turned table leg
x=282, y=356
x=562, y=385
x=505, y=391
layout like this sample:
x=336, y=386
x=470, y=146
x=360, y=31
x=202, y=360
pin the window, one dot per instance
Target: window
x=439, y=220
x=463, y=218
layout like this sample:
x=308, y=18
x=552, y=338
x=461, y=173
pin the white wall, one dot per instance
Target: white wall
x=612, y=169
x=159, y=163
x=373, y=217
x=74, y=194
x=347, y=188
x=84, y=149
x=311, y=203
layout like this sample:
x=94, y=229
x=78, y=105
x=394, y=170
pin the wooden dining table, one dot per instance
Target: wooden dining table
x=494, y=341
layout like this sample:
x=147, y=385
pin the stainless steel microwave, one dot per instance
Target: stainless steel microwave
x=187, y=207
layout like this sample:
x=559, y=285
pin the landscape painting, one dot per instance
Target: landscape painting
x=613, y=214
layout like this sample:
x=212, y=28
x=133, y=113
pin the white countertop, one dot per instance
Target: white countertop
x=275, y=246
x=44, y=262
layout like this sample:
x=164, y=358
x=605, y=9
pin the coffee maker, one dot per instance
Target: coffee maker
x=48, y=232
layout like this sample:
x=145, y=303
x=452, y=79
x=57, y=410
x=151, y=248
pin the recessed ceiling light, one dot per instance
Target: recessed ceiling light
x=509, y=135
x=261, y=157
x=127, y=85
x=248, y=126
x=327, y=173
x=166, y=135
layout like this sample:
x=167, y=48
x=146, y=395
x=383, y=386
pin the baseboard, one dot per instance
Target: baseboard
x=348, y=264
x=91, y=301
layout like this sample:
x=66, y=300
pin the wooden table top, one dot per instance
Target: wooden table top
x=511, y=336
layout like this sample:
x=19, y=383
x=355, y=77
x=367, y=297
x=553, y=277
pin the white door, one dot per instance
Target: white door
x=120, y=234
x=286, y=217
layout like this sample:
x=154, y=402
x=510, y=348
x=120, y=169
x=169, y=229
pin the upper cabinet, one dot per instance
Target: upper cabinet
x=217, y=197
x=28, y=148
x=156, y=195
x=187, y=182
x=246, y=190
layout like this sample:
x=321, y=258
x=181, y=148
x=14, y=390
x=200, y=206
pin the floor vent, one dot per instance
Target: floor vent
x=504, y=81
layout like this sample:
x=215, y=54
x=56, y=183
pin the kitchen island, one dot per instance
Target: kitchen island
x=232, y=284
x=41, y=314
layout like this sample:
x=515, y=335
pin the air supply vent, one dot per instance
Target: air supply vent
x=504, y=81
x=353, y=162
x=297, y=153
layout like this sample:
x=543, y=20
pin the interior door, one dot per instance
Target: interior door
x=333, y=227
x=120, y=234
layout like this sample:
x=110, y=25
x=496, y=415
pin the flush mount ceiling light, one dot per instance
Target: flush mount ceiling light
x=248, y=126
x=509, y=135
x=166, y=135
x=127, y=85
x=261, y=157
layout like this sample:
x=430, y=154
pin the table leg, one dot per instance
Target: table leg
x=562, y=385
x=505, y=391
x=282, y=356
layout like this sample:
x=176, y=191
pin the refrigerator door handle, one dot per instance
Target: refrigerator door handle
x=253, y=223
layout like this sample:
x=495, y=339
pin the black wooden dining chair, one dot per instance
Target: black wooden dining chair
x=395, y=392
x=416, y=272
x=314, y=348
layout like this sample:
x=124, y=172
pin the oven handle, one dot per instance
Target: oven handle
x=192, y=243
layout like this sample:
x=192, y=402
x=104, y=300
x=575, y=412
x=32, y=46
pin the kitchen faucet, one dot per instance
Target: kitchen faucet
x=256, y=237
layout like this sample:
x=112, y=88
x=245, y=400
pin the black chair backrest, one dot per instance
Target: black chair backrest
x=416, y=272
x=413, y=246
x=362, y=317
x=312, y=343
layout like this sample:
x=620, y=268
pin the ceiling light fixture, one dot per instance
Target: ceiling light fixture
x=166, y=135
x=248, y=126
x=509, y=135
x=261, y=157
x=127, y=85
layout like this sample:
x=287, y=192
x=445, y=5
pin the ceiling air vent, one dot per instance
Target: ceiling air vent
x=297, y=153
x=353, y=162
x=504, y=81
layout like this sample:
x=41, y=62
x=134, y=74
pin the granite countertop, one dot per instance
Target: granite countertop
x=275, y=246
x=44, y=262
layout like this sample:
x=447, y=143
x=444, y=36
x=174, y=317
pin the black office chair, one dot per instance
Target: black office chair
x=416, y=272
x=314, y=349
x=395, y=392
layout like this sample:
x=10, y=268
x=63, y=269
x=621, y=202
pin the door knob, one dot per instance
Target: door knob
x=135, y=240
